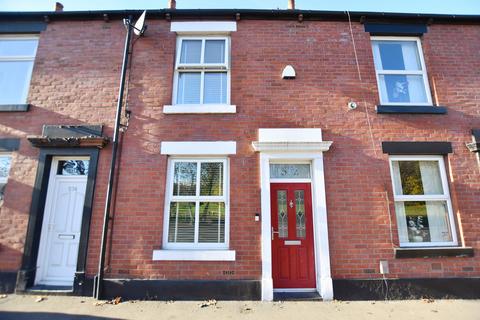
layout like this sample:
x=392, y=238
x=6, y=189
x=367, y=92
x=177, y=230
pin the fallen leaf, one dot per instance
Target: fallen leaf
x=246, y=309
x=117, y=300
x=208, y=303
x=40, y=299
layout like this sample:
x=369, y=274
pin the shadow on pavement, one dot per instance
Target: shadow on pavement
x=17, y=315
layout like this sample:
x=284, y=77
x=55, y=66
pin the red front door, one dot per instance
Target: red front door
x=293, y=262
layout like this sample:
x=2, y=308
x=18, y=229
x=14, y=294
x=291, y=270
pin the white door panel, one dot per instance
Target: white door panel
x=60, y=238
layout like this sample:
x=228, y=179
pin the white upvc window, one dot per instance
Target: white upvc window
x=202, y=71
x=400, y=69
x=196, y=204
x=5, y=163
x=17, y=55
x=422, y=201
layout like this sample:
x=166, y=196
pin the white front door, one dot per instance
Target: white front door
x=62, y=221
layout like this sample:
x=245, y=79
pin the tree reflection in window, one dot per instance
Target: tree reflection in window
x=211, y=179
x=185, y=179
x=73, y=167
x=5, y=162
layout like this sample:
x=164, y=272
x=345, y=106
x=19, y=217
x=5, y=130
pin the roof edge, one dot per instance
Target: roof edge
x=244, y=14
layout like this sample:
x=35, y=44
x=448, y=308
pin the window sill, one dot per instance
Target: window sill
x=14, y=107
x=193, y=255
x=200, y=108
x=409, y=109
x=438, y=252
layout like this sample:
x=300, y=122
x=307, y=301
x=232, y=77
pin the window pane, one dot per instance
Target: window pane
x=300, y=213
x=14, y=81
x=423, y=221
x=403, y=88
x=397, y=55
x=188, y=88
x=417, y=178
x=212, y=222
x=211, y=179
x=9, y=48
x=214, y=51
x=289, y=171
x=2, y=192
x=191, y=51
x=282, y=214
x=73, y=167
x=215, y=87
x=185, y=179
x=5, y=163
x=181, y=226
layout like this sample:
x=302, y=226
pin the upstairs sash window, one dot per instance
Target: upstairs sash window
x=17, y=55
x=401, y=73
x=202, y=71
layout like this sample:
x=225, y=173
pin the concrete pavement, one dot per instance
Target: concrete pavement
x=21, y=307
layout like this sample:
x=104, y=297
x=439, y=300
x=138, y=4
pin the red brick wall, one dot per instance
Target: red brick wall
x=75, y=79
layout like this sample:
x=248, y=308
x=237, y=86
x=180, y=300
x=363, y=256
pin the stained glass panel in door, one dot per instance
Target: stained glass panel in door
x=282, y=214
x=300, y=213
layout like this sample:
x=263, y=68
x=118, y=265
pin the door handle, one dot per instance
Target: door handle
x=273, y=233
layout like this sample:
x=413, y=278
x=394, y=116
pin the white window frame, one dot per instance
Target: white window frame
x=201, y=68
x=169, y=197
x=422, y=72
x=444, y=197
x=21, y=58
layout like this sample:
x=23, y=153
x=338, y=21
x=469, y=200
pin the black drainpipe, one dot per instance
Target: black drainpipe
x=98, y=281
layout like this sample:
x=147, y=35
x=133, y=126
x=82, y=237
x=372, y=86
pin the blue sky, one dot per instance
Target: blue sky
x=420, y=6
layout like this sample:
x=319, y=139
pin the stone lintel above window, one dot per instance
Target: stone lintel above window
x=9, y=144
x=395, y=29
x=416, y=147
x=203, y=27
x=14, y=107
x=22, y=27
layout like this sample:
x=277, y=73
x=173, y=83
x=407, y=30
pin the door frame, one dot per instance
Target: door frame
x=319, y=211
x=43, y=243
x=26, y=274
